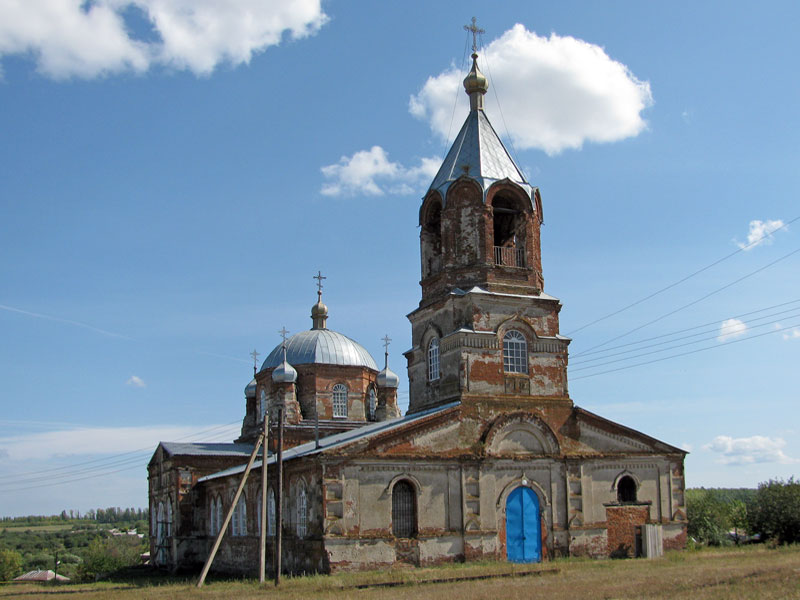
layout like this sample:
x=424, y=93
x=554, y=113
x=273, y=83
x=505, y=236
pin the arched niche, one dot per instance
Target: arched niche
x=520, y=434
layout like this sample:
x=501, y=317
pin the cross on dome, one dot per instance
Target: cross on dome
x=475, y=31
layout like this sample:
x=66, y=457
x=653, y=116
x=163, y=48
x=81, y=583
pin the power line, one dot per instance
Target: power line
x=657, y=337
x=698, y=300
x=672, y=285
x=649, y=362
x=717, y=332
x=667, y=349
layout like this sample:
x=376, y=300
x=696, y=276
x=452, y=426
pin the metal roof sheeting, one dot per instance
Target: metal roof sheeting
x=478, y=153
x=206, y=449
x=321, y=346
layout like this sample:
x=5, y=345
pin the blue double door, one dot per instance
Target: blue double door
x=523, y=526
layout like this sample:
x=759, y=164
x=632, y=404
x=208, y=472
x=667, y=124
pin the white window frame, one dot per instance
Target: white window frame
x=239, y=520
x=262, y=405
x=515, y=352
x=433, y=360
x=372, y=403
x=340, y=401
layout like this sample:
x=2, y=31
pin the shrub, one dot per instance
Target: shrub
x=106, y=555
x=775, y=511
x=10, y=564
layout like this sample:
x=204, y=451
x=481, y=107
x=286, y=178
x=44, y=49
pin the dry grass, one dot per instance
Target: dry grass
x=752, y=572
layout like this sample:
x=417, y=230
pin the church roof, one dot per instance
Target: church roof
x=206, y=449
x=478, y=153
x=334, y=441
x=321, y=346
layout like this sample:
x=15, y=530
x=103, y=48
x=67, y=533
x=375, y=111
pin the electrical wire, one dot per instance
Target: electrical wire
x=672, y=285
x=692, y=303
x=717, y=332
x=649, y=362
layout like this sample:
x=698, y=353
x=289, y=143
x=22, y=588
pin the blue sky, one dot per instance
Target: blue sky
x=173, y=175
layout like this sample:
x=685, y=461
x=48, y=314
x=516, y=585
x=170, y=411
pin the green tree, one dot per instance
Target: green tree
x=109, y=554
x=737, y=515
x=10, y=564
x=775, y=511
x=708, y=516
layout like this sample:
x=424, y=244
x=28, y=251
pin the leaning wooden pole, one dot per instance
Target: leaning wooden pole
x=263, y=554
x=228, y=516
x=279, y=499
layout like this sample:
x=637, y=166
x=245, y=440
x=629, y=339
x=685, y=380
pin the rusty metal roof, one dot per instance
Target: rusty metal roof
x=478, y=153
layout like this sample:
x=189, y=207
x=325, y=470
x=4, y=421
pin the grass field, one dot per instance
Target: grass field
x=748, y=572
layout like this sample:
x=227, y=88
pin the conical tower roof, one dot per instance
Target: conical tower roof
x=477, y=151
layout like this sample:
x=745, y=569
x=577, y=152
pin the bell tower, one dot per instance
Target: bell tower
x=484, y=330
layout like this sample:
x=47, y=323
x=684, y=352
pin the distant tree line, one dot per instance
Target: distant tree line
x=769, y=513
x=99, y=515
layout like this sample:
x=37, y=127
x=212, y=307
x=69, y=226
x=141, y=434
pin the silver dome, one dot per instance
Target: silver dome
x=321, y=346
x=388, y=379
x=284, y=373
x=250, y=390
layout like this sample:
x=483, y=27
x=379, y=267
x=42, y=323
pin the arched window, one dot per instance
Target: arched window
x=302, y=509
x=239, y=519
x=219, y=514
x=515, y=352
x=160, y=524
x=433, y=359
x=339, y=400
x=263, y=403
x=404, y=510
x=169, y=517
x=626, y=490
x=271, y=512
x=212, y=517
x=371, y=403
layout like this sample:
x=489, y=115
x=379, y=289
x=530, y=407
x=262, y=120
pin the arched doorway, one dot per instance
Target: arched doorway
x=523, y=526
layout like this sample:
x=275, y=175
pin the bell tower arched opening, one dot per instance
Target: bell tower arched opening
x=509, y=231
x=431, y=237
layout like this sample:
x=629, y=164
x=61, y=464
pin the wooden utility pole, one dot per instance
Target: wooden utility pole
x=279, y=499
x=228, y=516
x=263, y=553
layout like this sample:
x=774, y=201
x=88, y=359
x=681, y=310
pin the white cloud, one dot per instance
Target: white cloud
x=555, y=92
x=104, y=440
x=792, y=334
x=730, y=329
x=371, y=172
x=80, y=38
x=135, y=381
x=760, y=233
x=749, y=450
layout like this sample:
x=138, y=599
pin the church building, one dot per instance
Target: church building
x=492, y=460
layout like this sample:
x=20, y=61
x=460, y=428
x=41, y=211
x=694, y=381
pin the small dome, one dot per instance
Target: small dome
x=321, y=346
x=284, y=373
x=250, y=389
x=319, y=315
x=388, y=379
x=475, y=81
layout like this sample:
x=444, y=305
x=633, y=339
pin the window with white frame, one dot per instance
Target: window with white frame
x=301, y=511
x=239, y=519
x=340, y=400
x=271, y=512
x=371, y=403
x=515, y=352
x=433, y=359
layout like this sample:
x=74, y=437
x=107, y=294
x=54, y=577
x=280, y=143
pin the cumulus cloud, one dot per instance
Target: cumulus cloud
x=370, y=172
x=760, y=233
x=792, y=334
x=556, y=93
x=749, y=450
x=135, y=381
x=90, y=38
x=731, y=329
